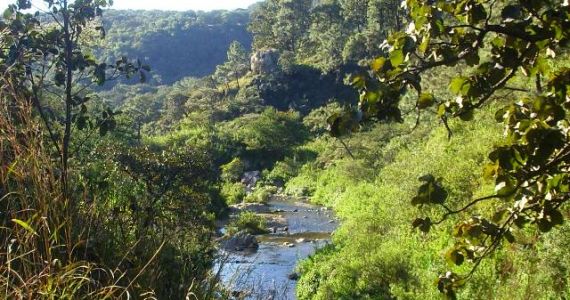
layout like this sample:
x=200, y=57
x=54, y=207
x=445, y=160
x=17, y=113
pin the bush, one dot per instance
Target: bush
x=248, y=222
x=233, y=192
x=233, y=170
x=261, y=195
x=282, y=172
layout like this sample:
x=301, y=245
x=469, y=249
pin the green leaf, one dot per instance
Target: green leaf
x=556, y=217
x=81, y=122
x=504, y=187
x=358, y=81
x=467, y=115
x=8, y=13
x=103, y=129
x=100, y=73
x=397, y=57
x=509, y=237
x=431, y=192
x=472, y=59
x=521, y=221
x=424, y=225
x=378, y=64
x=500, y=114
x=441, y=110
x=458, y=85
x=544, y=225
x=59, y=78
x=25, y=226
x=425, y=100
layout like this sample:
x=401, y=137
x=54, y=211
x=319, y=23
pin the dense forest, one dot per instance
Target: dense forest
x=436, y=131
x=176, y=44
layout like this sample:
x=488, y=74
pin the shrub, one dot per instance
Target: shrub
x=248, y=222
x=261, y=195
x=233, y=192
x=233, y=170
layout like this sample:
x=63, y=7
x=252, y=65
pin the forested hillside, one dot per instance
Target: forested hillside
x=176, y=44
x=436, y=131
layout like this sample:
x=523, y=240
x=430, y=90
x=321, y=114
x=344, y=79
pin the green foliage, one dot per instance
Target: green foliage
x=304, y=88
x=282, y=171
x=233, y=170
x=236, y=65
x=268, y=136
x=233, y=192
x=325, y=34
x=375, y=254
x=178, y=44
x=261, y=195
x=101, y=198
x=502, y=48
x=248, y=222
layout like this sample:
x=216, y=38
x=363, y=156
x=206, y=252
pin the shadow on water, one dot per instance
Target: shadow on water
x=268, y=273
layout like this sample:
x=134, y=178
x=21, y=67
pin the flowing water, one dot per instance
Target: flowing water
x=268, y=273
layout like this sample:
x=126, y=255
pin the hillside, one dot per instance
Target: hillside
x=174, y=44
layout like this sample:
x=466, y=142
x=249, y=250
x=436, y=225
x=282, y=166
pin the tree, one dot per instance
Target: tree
x=494, y=43
x=353, y=12
x=49, y=60
x=382, y=17
x=292, y=23
x=236, y=65
x=261, y=24
x=46, y=76
x=327, y=36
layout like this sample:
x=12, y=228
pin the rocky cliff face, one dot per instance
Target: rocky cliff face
x=265, y=61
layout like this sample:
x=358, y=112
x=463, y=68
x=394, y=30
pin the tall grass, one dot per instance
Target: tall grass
x=43, y=247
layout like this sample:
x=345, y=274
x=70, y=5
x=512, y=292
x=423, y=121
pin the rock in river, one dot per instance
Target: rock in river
x=239, y=242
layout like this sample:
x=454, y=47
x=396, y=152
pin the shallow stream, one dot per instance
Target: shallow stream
x=269, y=272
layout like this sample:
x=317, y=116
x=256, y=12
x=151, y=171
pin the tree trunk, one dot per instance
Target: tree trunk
x=68, y=99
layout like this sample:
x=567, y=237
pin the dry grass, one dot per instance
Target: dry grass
x=41, y=238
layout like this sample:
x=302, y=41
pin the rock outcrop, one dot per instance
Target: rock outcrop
x=265, y=61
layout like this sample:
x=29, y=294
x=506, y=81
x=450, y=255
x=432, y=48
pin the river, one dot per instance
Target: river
x=298, y=230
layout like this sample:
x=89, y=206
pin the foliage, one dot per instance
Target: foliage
x=325, y=34
x=268, y=136
x=249, y=222
x=282, y=171
x=233, y=170
x=178, y=44
x=151, y=209
x=375, y=255
x=303, y=89
x=261, y=194
x=233, y=192
x=45, y=250
x=500, y=45
x=236, y=65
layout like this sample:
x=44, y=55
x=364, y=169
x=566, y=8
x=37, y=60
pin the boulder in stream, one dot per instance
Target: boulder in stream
x=241, y=241
x=293, y=276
